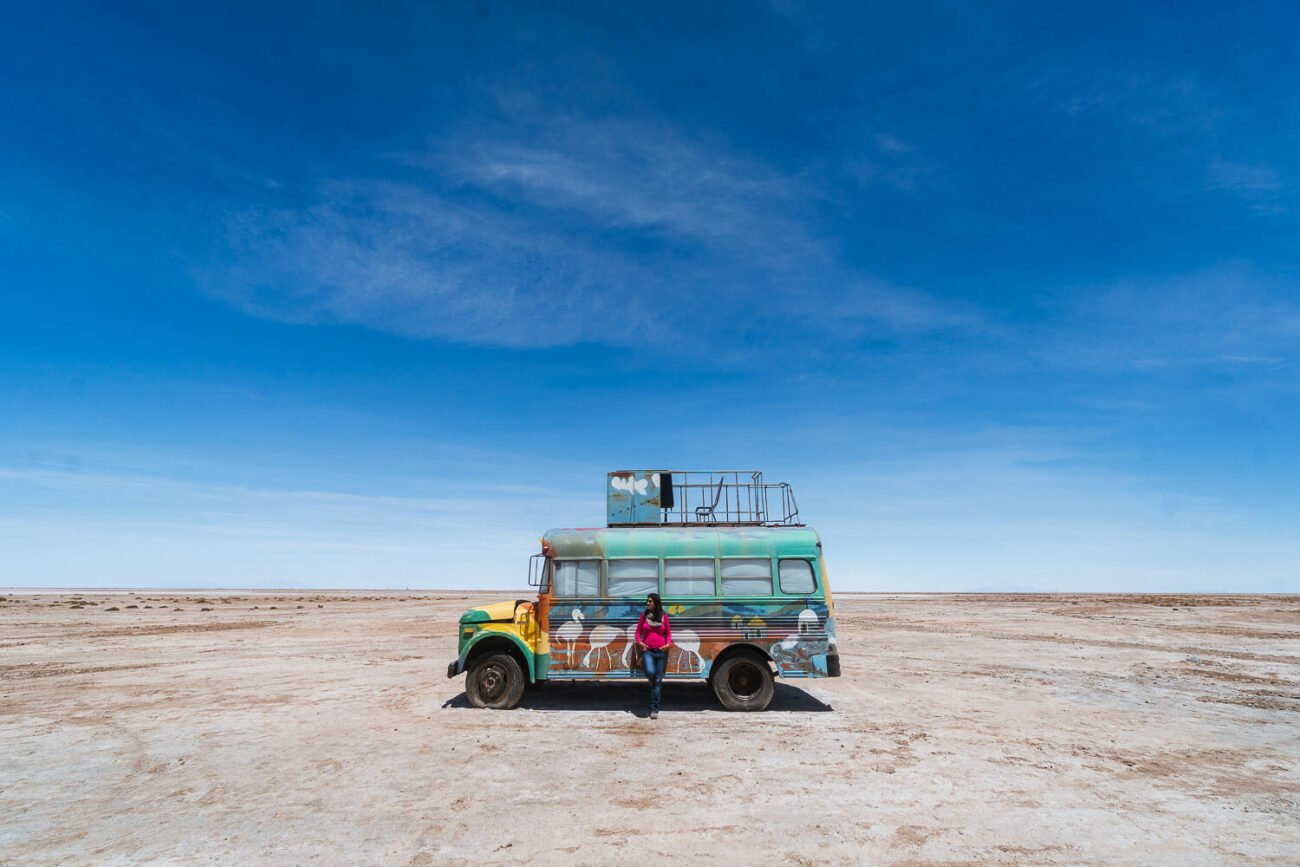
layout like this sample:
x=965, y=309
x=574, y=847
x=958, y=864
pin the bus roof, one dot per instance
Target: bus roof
x=683, y=542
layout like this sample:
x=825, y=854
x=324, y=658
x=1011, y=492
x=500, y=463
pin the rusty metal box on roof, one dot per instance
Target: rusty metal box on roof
x=637, y=497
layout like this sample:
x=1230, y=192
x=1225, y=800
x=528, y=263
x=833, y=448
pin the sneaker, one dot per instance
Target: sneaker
x=654, y=714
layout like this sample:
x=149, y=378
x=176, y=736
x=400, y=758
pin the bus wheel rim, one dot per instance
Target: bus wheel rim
x=492, y=681
x=743, y=681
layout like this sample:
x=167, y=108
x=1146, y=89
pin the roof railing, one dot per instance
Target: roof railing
x=686, y=498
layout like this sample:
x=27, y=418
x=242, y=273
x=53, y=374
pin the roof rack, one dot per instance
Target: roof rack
x=691, y=498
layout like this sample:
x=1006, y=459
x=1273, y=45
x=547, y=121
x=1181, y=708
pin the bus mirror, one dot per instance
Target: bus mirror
x=537, y=572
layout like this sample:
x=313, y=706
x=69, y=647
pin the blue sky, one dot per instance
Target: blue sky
x=370, y=295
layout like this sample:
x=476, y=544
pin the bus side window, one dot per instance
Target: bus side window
x=797, y=577
x=577, y=578
x=688, y=578
x=746, y=577
x=633, y=577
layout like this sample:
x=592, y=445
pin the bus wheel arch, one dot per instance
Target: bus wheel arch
x=742, y=678
x=495, y=674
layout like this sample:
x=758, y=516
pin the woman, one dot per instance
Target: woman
x=654, y=637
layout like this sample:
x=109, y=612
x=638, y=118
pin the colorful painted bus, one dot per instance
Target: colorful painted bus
x=743, y=583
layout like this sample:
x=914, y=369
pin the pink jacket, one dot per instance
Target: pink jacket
x=654, y=637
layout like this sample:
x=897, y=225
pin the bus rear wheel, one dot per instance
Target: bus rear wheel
x=495, y=681
x=743, y=682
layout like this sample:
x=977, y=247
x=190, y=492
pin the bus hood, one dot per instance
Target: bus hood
x=497, y=612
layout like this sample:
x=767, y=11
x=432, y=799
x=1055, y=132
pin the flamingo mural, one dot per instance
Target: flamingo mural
x=797, y=637
x=631, y=645
x=569, y=632
x=601, y=637
x=688, y=645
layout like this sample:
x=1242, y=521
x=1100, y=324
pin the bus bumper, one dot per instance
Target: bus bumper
x=453, y=668
x=833, y=665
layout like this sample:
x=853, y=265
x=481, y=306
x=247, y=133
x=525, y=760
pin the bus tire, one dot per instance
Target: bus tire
x=495, y=681
x=743, y=682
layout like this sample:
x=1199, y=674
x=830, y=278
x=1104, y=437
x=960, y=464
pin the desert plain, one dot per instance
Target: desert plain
x=287, y=727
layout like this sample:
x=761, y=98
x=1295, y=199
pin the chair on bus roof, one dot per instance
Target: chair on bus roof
x=706, y=513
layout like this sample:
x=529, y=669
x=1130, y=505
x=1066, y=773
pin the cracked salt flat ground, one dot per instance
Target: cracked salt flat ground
x=999, y=728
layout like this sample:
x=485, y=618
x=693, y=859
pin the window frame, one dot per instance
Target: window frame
x=771, y=579
x=659, y=575
x=600, y=576
x=714, y=594
x=812, y=568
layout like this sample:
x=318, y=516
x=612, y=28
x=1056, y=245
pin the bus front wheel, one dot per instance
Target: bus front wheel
x=495, y=681
x=743, y=682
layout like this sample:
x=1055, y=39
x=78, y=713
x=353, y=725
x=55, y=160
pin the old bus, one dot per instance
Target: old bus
x=742, y=581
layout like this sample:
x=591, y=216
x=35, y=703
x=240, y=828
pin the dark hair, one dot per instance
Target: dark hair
x=659, y=605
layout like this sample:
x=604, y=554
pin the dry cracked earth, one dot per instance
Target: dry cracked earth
x=278, y=727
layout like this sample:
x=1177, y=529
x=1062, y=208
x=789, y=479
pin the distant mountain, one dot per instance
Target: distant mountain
x=1008, y=588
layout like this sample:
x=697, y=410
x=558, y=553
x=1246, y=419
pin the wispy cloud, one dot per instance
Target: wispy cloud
x=1259, y=185
x=614, y=232
x=882, y=158
x=1161, y=101
x=1032, y=507
x=891, y=144
x=869, y=303
x=68, y=528
x=1171, y=104
x=1243, y=178
x=410, y=260
x=1222, y=317
x=636, y=175
x=153, y=495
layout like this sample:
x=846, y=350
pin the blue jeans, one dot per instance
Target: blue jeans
x=655, y=661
